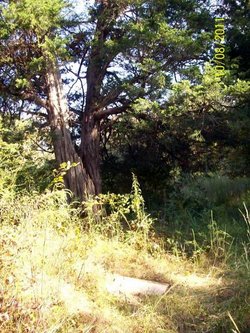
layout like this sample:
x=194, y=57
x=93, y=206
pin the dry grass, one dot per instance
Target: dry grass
x=53, y=279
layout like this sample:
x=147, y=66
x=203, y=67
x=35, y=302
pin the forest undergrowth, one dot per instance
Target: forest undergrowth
x=54, y=259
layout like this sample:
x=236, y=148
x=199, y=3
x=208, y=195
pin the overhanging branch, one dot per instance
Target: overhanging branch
x=28, y=96
x=111, y=111
x=36, y=113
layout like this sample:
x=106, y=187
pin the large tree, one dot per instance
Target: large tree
x=124, y=50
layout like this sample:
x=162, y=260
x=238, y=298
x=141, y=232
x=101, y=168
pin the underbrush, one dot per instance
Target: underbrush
x=54, y=263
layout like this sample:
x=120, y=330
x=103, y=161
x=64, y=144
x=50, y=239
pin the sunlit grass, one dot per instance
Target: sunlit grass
x=54, y=277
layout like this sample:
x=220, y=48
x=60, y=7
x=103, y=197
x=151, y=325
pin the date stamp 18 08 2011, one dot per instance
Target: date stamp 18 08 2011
x=219, y=49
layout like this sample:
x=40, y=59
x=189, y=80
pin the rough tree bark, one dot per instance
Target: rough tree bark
x=85, y=178
x=90, y=150
x=78, y=178
x=90, y=135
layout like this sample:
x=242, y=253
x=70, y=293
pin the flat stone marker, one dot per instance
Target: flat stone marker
x=118, y=284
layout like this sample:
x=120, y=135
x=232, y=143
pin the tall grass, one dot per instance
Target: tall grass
x=55, y=261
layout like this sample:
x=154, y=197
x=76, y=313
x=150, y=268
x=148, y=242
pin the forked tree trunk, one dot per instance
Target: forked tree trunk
x=78, y=178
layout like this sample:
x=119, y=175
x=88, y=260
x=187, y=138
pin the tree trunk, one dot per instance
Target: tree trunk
x=77, y=179
x=90, y=135
x=90, y=149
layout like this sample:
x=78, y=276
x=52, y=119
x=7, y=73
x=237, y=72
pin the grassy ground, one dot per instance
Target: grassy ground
x=53, y=265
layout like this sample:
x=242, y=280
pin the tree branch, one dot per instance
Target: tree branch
x=34, y=113
x=79, y=113
x=111, y=111
x=35, y=99
x=29, y=96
